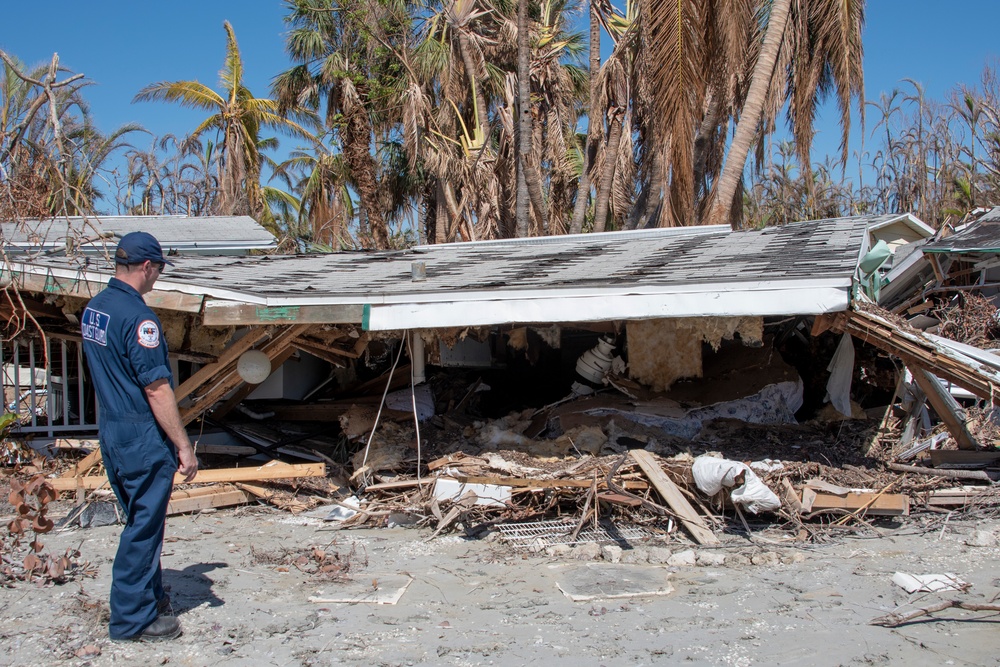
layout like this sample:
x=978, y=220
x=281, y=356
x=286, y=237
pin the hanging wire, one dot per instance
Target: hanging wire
x=378, y=414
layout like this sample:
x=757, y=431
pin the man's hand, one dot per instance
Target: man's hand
x=188, y=465
x=164, y=407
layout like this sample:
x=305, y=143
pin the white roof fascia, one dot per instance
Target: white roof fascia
x=774, y=300
x=911, y=221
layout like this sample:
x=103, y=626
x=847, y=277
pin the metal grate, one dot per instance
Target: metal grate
x=538, y=535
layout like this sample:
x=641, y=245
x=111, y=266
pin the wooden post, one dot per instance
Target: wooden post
x=674, y=498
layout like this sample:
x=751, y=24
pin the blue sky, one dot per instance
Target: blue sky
x=123, y=46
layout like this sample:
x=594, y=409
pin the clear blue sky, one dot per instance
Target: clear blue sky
x=123, y=46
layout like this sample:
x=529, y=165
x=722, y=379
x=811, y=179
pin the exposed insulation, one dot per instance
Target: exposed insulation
x=517, y=339
x=210, y=340
x=664, y=350
x=551, y=335
x=175, y=326
x=716, y=329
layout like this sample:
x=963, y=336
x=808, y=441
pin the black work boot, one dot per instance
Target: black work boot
x=163, y=628
x=163, y=607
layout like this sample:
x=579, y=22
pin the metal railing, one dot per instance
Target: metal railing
x=48, y=392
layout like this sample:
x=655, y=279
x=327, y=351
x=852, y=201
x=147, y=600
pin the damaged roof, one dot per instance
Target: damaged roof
x=983, y=235
x=215, y=234
x=802, y=268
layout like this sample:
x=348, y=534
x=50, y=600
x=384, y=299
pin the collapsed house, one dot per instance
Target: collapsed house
x=569, y=346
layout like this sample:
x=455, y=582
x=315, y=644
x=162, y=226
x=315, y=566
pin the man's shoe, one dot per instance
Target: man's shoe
x=163, y=628
x=163, y=607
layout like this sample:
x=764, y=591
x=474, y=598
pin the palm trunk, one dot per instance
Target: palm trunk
x=746, y=129
x=652, y=195
x=615, y=120
x=357, y=154
x=482, y=117
x=527, y=169
x=583, y=190
x=441, y=224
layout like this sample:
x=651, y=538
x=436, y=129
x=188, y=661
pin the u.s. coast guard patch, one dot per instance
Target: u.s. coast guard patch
x=94, y=326
x=149, y=334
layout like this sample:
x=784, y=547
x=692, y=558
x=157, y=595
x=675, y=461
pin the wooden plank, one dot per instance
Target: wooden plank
x=273, y=470
x=218, y=498
x=887, y=504
x=946, y=407
x=691, y=520
x=85, y=464
x=228, y=356
x=225, y=313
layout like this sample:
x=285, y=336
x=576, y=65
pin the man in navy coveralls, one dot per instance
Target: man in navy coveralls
x=143, y=441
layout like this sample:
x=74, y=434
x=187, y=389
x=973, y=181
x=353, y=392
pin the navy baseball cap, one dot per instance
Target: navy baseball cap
x=137, y=247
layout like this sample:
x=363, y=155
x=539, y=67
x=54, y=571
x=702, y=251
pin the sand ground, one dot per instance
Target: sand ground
x=241, y=582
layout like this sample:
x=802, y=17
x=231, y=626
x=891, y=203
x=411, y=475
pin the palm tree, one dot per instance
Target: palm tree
x=238, y=118
x=346, y=59
x=808, y=48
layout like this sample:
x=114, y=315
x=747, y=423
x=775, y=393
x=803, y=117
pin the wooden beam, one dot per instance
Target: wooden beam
x=225, y=313
x=946, y=407
x=273, y=470
x=85, y=464
x=915, y=350
x=691, y=520
x=228, y=356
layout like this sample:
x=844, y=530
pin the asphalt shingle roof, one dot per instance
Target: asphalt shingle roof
x=980, y=236
x=816, y=249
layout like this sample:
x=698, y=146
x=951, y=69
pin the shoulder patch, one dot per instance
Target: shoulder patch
x=149, y=334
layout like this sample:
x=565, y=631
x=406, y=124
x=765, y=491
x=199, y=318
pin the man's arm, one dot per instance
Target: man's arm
x=161, y=400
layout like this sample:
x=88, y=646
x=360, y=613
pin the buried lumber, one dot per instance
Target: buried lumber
x=273, y=470
x=674, y=498
x=894, y=620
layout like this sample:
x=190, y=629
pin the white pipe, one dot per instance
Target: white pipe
x=417, y=358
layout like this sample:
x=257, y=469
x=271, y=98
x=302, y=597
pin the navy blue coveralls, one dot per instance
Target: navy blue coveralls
x=125, y=349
